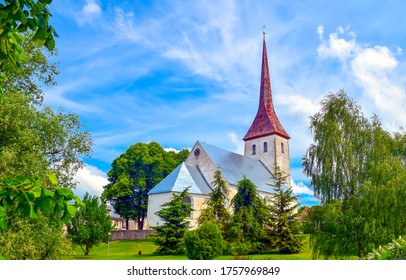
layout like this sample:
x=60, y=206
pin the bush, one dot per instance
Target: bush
x=37, y=239
x=204, y=243
x=392, y=251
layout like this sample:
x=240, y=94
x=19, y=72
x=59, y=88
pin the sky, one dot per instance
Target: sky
x=176, y=72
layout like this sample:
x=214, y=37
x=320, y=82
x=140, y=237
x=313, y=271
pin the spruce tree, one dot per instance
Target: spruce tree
x=169, y=236
x=247, y=230
x=283, y=216
x=216, y=211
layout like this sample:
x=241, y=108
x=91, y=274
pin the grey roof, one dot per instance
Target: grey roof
x=234, y=167
x=183, y=176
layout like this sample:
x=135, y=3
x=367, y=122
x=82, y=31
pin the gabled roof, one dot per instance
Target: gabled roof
x=234, y=167
x=266, y=122
x=183, y=176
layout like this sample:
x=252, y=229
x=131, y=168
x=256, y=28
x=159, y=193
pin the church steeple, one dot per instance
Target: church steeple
x=266, y=122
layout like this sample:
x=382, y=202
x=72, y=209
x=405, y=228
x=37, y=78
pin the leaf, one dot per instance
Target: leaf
x=70, y=209
x=52, y=178
x=3, y=222
x=30, y=212
x=66, y=193
x=50, y=43
x=47, y=193
x=79, y=202
x=36, y=189
x=45, y=204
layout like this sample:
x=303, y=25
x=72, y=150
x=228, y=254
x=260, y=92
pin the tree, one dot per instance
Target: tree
x=169, y=236
x=247, y=230
x=358, y=171
x=283, y=213
x=216, y=211
x=34, y=139
x=34, y=239
x=91, y=225
x=21, y=16
x=134, y=173
x=204, y=243
x=336, y=162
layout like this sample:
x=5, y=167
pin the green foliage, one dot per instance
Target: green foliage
x=204, y=243
x=169, y=236
x=34, y=139
x=134, y=173
x=246, y=233
x=336, y=161
x=34, y=239
x=17, y=17
x=283, y=216
x=216, y=211
x=250, y=214
x=358, y=171
x=27, y=196
x=91, y=225
x=392, y=251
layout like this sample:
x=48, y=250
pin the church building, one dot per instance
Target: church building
x=266, y=144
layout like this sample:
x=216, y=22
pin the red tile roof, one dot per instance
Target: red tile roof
x=266, y=122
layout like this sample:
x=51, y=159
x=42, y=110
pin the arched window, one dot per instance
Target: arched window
x=282, y=148
x=265, y=147
x=254, y=149
x=188, y=200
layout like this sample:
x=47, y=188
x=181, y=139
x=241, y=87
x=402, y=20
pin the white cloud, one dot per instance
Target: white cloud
x=336, y=47
x=372, y=68
x=320, y=31
x=170, y=149
x=90, y=179
x=90, y=11
x=298, y=104
x=239, y=145
x=300, y=188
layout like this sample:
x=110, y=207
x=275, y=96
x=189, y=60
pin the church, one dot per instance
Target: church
x=266, y=143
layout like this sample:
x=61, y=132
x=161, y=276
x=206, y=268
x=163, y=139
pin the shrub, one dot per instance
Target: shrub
x=34, y=239
x=394, y=250
x=204, y=243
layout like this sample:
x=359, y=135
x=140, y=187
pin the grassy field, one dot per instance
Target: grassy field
x=128, y=250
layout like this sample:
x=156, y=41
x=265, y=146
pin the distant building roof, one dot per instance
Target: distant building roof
x=183, y=176
x=234, y=167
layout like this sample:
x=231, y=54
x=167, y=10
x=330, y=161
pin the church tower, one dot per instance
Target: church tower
x=266, y=139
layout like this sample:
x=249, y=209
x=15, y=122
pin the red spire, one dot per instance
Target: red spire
x=266, y=122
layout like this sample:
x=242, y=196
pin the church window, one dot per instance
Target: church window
x=188, y=200
x=265, y=147
x=254, y=149
x=282, y=148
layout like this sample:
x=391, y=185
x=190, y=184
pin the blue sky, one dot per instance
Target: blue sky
x=180, y=71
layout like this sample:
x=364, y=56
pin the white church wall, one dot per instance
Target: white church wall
x=206, y=166
x=154, y=205
x=155, y=202
x=277, y=149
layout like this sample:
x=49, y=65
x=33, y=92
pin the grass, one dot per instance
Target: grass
x=128, y=250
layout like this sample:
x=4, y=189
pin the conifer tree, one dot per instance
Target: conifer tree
x=283, y=216
x=216, y=211
x=247, y=230
x=169, y=236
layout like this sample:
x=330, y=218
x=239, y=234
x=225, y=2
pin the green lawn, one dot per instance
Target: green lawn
x=128, y=250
